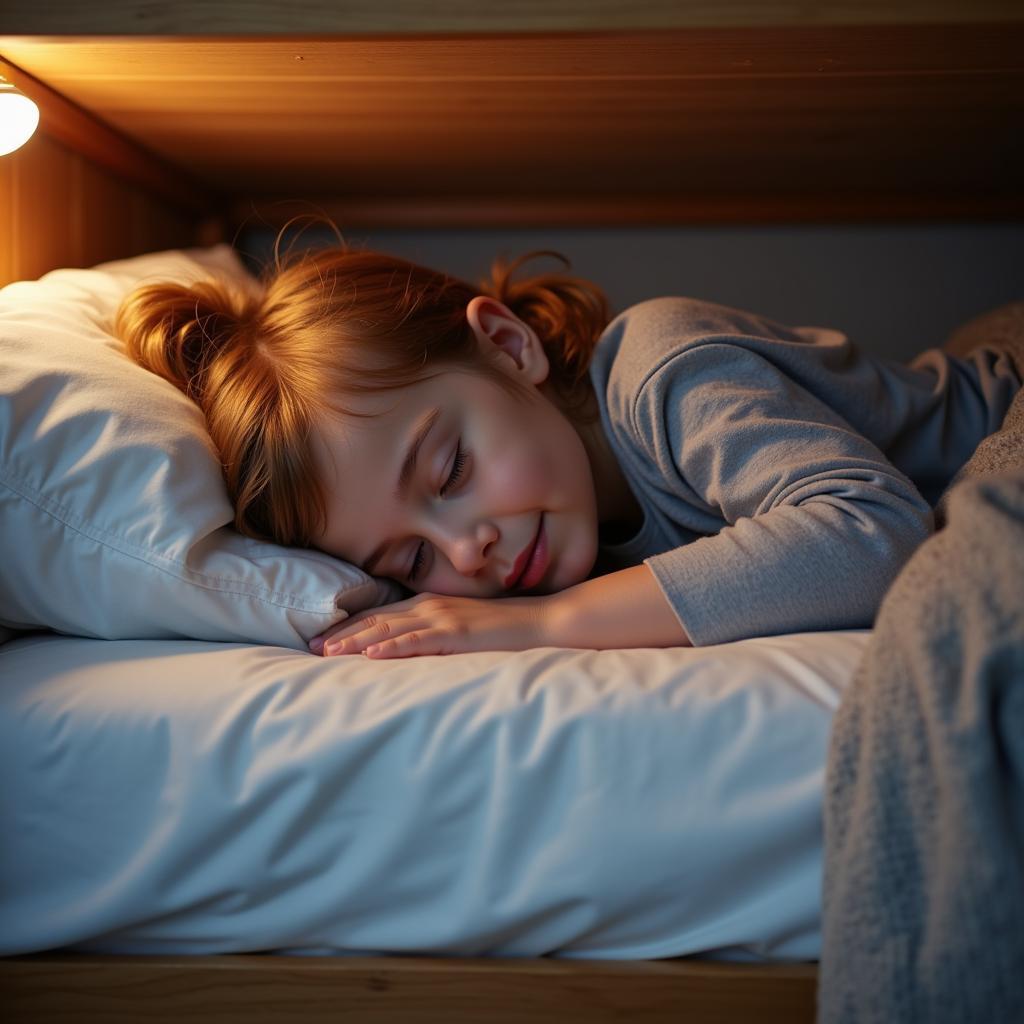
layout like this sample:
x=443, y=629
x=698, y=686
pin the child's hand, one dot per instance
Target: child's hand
x=440, y=624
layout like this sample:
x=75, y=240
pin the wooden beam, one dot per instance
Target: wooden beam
x=568, y=211
x=82, y=133
x=358, y=17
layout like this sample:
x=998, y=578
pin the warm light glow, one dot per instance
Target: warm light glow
x=18, y=117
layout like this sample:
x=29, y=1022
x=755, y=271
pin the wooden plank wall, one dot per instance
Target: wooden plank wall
x=78, y=193
x=59, y=209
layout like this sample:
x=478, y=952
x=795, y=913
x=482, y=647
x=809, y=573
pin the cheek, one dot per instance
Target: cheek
x=563, y=464
x=516, y=476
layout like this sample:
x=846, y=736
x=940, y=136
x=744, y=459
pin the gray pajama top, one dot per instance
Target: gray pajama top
x=785, y=476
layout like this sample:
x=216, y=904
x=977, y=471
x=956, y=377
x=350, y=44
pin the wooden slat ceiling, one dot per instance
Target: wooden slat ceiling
x=471, y=17
x=742, y=114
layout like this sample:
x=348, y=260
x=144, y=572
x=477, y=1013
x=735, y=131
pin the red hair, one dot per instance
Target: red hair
x=265, y=362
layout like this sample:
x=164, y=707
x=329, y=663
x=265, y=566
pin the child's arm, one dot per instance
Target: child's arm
x=622, y=609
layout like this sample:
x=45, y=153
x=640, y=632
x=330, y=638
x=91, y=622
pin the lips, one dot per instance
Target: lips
x=524, y=559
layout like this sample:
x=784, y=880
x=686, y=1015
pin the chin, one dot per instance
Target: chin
x=579, y=567
x=459, y=590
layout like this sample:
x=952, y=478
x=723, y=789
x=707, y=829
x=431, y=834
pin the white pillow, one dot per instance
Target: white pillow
x=114, y=516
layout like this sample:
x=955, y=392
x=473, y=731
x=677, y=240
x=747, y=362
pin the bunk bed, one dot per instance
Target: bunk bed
x=164, y=131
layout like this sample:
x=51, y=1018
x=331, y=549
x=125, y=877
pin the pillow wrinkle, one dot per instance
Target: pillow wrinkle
x=174, y=567
x=89, y=507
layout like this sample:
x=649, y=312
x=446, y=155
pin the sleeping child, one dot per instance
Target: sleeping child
x=537, y=472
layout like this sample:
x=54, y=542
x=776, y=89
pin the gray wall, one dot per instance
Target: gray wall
x=893, y=288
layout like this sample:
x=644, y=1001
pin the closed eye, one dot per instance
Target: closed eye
x=456, y=473
x=454, y=477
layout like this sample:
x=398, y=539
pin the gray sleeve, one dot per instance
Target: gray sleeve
x=819, y=521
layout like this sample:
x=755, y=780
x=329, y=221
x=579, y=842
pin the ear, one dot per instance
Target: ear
x=495, y=324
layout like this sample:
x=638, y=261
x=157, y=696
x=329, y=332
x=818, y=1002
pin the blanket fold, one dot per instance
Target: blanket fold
x=923, y=886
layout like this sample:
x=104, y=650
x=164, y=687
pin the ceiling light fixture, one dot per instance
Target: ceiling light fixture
x=19, y=117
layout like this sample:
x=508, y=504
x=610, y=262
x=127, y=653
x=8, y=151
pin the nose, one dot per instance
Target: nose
x=469, y=550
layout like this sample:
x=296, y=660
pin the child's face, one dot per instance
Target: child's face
x=506, y=469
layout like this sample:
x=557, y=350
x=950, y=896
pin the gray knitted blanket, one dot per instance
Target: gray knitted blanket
x=923, y=889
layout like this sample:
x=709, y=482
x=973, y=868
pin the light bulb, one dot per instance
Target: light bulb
x=19, y=117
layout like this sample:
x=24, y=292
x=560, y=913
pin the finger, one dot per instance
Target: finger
x=365, y=623
x=316, y=643
x=373, y=632
x=353, y=641
x=405, y=646
x=343, y=628
x=354, y=623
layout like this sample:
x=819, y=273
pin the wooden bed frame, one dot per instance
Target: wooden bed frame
x=909, y=110
x=260, y=989
x=155, y=119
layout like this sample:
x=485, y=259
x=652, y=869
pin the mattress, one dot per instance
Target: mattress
x=194, y=797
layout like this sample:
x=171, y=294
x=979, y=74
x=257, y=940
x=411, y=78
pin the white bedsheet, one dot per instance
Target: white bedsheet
x=190, y=797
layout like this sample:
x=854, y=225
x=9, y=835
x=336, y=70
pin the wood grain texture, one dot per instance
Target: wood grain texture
x=352, y=17
x=7, y=231
x=800, y=121
x=256, y=989
x=415, y=212
x=78, y=130
x=58, y=209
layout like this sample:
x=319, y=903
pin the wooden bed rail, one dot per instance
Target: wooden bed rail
x=259, y=989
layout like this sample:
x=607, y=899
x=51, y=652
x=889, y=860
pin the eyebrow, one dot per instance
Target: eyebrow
x=405, y=476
